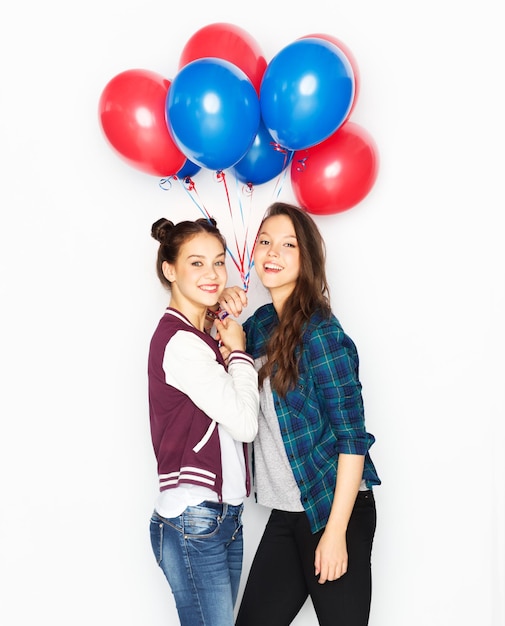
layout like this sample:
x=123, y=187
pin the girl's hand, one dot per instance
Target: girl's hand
x=331, y=556
x=230, y=334
x=224, y=352
x=233, y=300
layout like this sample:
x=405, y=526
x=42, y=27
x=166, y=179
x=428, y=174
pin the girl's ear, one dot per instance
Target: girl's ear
x=168, y=271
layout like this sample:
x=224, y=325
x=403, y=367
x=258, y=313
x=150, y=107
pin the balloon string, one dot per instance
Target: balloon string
x=243, y=266
x=221, y=178
x=278, y=148
x=239, y=264
x=288, y=157
x=166, y=181
x=243, y=253
x=240, y=201
x=189, y=186
x=247, y=190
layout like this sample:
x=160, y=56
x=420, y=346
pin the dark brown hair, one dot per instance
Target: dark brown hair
x=311, y=294
x=173, y=236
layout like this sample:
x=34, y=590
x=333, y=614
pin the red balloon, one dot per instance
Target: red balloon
x=228, y=42
x=350, y=57
x=132, y=115
x=336, y=174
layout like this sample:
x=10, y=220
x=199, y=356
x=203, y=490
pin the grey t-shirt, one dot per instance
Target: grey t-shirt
x=275, y=483
x=274, y=480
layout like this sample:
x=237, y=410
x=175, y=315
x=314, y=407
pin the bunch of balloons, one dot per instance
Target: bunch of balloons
x=227, y=108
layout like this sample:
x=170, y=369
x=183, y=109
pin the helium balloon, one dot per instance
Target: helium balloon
x=228, y=42
x=306, y=93
x=264, y=160
x=337, y=173
x=350, y=57
x=213, y=112
x=189, y=169
x=132, y=116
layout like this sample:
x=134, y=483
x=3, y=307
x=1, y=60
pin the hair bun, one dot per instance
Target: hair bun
x=207, y=220
x=160, y=229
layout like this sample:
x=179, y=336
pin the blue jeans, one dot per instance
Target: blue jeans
x=200, y=553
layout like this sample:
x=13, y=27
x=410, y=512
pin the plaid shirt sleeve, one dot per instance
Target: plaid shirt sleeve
x=334, y=364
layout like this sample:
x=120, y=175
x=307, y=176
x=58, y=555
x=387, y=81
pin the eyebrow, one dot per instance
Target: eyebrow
x=264, y=232
x=202, y=256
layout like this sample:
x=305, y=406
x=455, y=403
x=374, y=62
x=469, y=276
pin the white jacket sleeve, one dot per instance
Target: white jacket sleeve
x=231, y=397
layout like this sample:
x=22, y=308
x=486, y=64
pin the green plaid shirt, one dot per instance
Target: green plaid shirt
x=323, y=416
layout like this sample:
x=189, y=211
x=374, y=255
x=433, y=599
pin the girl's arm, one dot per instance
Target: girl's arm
x=334, y=363
x=229, y=397
x=331, y=553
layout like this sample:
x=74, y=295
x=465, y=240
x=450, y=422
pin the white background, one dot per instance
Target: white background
x=417, y=278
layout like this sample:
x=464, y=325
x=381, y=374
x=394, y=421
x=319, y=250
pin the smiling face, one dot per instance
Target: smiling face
x=199, y=274
x=277, y=257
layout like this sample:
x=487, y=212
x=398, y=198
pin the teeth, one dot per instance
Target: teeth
x=271, y=266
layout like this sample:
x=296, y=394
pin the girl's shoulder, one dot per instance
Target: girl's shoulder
x=325, y=327
x=323, y=321
x=258, y=329
x=264, y=315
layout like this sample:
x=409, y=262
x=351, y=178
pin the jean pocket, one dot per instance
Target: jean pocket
x=201, y=521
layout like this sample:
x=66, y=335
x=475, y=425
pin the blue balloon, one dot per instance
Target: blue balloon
x=306, y=93
x=212, y=112
x=188, y=169
x=264, y=160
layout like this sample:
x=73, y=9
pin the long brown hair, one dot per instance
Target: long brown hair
x=311, y=294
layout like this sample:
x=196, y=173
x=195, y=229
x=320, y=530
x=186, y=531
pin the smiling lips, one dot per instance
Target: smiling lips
x=272, y=267
x=209, y=288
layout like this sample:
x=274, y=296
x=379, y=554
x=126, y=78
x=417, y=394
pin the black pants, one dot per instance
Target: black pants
x=282, y=573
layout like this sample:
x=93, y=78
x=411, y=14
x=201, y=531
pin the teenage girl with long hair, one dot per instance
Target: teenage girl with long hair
x=311, y=455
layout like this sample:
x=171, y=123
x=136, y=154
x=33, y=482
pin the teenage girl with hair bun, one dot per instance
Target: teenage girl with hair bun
x=203, y=411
